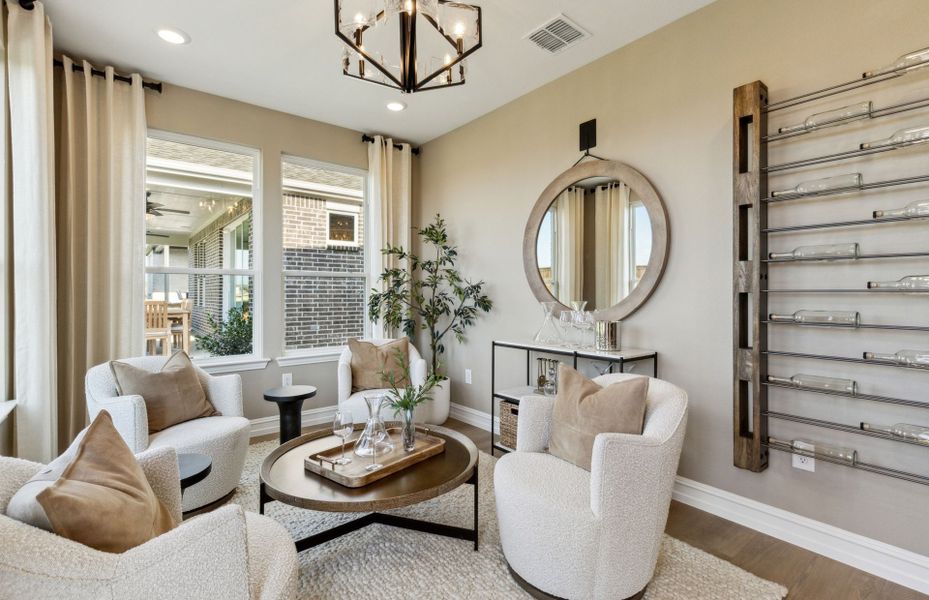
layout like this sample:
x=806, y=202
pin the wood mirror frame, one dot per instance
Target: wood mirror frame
x=657, y=214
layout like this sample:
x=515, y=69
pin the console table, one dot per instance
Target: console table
x=513, y=395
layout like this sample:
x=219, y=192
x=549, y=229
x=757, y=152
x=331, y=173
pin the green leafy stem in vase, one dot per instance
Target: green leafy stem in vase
x=402, y=394
x=427, y=294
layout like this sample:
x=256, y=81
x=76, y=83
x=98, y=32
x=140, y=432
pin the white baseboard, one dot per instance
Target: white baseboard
x=877, y=558
x=312, y=416
x=472, y=416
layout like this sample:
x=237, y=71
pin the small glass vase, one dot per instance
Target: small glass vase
x=374, y=440
x=409, y=431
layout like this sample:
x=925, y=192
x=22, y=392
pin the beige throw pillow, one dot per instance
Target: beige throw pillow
x=173, y=395
x=584, y=409
x=371, y=362
x=102, y=498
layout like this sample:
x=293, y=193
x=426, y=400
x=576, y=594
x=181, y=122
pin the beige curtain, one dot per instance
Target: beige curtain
x=389, y=191
x=28, y=205
x=101, y=220
x=569, y=245
x=611, y=204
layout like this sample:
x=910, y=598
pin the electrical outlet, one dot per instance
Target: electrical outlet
x=468, y=376
x=806, y=463
x=287, y=379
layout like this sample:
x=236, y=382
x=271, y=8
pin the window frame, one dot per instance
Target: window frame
x=302, y=356
x=241, y=362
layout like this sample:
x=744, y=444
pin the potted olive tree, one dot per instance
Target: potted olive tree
x=428, y=294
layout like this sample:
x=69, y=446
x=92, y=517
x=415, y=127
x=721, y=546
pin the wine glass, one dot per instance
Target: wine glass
x=342, y=427
x=377, y=438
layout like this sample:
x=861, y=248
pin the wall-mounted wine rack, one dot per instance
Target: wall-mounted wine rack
x=752, y=262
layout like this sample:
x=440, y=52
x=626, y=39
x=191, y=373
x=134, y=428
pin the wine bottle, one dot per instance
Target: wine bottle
x=819, y=317
x=823, y=252
x=826, y=184
x=837, y=453
x=817, y=382
x=916, y=283
x=907, y=358
x=920, y=208
x=904, y=431
x=904, y=137
x=846, y=113
x=909, y=61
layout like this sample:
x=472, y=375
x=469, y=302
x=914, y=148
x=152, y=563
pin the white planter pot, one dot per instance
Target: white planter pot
x=435, y=412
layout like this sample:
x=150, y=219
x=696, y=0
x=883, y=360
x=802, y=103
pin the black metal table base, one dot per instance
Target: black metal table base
x=461, y=533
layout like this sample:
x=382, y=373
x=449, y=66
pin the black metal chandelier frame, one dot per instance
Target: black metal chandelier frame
x=408, y=83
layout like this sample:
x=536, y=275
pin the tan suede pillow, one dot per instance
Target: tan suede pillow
x=369, y=362
x=584, y=409
x=172, y=395
x=103, y=499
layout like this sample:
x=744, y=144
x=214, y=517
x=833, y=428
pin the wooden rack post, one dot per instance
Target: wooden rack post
x=750, y=273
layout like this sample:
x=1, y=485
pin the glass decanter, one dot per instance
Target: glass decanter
x=846, y=113
x=847, y=318
x=911, y=283
x=920, y=208
x=548, y=333
x=374, y=440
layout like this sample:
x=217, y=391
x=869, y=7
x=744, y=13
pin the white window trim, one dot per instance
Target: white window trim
x=306, y=356
x=244, y=362
x=331, y=243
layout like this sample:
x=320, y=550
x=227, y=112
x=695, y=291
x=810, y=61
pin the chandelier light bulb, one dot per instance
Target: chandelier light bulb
x=359, y=20
x=459, y=30
x=409, y=6
x=448, y=59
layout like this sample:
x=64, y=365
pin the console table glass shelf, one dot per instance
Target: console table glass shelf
x=513, y=394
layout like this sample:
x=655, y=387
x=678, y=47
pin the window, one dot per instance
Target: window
x=640, y=242
x=200, y=247
x=325, y=283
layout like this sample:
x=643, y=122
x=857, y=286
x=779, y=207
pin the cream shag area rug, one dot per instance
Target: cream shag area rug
x=380, y=562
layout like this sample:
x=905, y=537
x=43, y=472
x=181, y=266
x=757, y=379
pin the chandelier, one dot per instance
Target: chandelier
x=436, y=36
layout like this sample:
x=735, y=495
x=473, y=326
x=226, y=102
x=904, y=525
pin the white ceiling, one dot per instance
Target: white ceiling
x=283, y=54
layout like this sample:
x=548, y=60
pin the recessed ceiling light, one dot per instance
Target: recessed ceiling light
x=173, y=36
x=396, y=106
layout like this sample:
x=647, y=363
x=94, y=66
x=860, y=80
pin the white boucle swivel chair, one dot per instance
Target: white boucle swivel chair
x=584, y=535
x=228, y=553
x=223, y=438
x=434, y=411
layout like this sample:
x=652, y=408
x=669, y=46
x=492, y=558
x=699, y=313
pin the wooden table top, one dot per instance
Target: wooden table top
x=286, y=479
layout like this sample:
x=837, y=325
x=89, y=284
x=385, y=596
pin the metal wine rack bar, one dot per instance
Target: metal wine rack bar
x=751, y=200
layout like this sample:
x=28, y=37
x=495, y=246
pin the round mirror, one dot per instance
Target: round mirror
x=597, y=240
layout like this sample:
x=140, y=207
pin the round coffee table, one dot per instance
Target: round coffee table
x=289, y=401
x=193, y=468
x=284, y=478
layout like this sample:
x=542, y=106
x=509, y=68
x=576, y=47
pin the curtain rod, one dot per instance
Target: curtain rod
x=370, y=140
x=155, y=86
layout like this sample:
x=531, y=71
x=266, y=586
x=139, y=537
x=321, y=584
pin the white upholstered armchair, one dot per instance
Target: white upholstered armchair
x=223, y=438
x=590, y=535
x=228, y=553
x=435, y=411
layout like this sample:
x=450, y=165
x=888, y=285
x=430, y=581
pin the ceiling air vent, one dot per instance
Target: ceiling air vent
x=557, y=34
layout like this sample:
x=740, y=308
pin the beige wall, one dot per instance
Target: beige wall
x=663, y=105
x=186, y=111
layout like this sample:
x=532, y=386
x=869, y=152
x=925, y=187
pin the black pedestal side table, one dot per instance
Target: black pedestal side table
x=290, y=402
x=193, y=468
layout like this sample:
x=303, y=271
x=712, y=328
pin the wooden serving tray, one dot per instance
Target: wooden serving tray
x=354, y=475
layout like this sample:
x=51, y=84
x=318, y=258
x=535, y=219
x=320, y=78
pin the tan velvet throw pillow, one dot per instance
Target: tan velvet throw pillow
x=173, y=395
x=584, y=409
x=102, y=498
x=370, y=362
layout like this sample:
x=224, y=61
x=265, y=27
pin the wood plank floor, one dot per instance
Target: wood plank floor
x=807, y=575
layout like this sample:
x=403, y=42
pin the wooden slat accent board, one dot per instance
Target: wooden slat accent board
x=749, y=157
